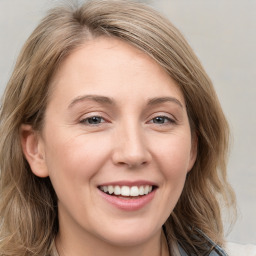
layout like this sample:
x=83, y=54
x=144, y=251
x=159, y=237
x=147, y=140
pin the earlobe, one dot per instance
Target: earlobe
x=33, y=150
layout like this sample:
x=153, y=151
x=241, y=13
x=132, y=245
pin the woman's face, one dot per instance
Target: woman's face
x=115, y=123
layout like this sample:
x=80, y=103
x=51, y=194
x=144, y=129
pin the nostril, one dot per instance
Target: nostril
x=135, y=164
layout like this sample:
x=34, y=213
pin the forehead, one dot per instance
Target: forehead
x=110, y=66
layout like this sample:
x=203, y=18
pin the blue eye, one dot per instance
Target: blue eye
x=162, y=120
x=94, y=120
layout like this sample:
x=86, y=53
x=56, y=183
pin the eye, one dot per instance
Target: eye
x=162, y=120
x=93, y=120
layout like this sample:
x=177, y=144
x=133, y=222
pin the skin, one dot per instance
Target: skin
x=137, y=135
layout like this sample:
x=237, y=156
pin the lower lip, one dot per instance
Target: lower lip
x=129, y=204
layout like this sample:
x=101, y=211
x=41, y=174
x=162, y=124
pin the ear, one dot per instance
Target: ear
x=193, y=151
x=33, y=149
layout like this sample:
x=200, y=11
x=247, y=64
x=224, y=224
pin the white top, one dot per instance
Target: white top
x=234, y=249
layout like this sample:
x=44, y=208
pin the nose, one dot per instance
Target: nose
x=130, y=148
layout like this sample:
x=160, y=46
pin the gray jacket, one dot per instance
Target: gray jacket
x=216, y=250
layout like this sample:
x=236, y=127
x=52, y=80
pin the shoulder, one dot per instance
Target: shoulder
x=234, y=249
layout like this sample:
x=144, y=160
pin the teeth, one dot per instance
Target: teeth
x=126, y=190
x=134, y=191
x=146, y=189
x=117, y=190
x=110, y=189
x=141, y=190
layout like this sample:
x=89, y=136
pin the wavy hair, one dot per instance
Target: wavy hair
x=28, y=204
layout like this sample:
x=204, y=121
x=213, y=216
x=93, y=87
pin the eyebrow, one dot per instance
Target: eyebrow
x=109, y=101
x=96, y=98
x=159, y=100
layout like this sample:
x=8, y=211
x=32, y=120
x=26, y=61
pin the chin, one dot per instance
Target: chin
x=130, y=236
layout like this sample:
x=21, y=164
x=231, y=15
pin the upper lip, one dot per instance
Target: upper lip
x=129, y=183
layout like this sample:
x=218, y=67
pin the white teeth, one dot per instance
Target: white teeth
x=141, y=190
x=127, y=191
x=117, y=190
x=146, y=189
x=134, y=191
x=110, y=190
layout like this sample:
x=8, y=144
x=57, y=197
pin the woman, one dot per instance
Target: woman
x=112, y=139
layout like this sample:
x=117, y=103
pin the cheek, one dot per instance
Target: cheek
x=174, y=154
x=75, y=159
x=172, y=157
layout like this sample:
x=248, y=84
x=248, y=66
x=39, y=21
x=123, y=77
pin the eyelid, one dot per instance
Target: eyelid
x=87, y=116
x=84, y=121
x=167, y=118
x=164, y=115
x=167, y=122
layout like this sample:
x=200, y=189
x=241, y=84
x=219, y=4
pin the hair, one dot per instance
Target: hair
x=28, y=204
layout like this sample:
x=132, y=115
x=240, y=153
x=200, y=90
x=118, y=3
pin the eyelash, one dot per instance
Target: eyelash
x=90, y=121
x=166, y=120
x=87, y=120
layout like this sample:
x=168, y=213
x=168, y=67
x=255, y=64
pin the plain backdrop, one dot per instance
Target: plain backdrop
x=223, y=35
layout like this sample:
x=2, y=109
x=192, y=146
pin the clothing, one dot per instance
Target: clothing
x=234, y=249
x=231, y=249
x=212, y=248
x=217, y=251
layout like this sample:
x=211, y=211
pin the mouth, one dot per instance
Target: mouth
x=128, y=195
x=127, y=192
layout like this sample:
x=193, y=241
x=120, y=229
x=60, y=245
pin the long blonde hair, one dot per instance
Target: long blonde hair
x=28, y=204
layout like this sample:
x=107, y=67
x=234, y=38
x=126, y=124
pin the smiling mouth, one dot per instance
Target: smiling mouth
x=127, y=192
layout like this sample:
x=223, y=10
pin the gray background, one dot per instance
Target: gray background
x=223, y=35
